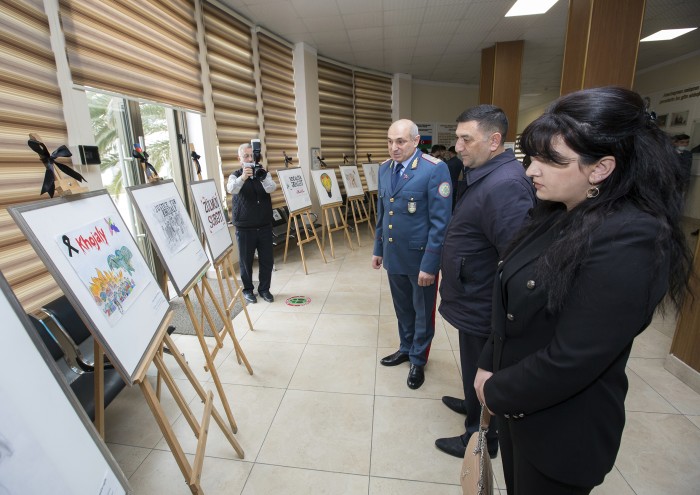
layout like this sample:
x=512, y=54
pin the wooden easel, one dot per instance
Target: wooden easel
x=339, y=223
x=191, y=472
x=199, y=330
x=359, y=215
x=373, y=205
x=298, y=216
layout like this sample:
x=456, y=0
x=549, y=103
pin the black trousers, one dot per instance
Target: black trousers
x=522, y=478
x=248, y=241
x=470, y=347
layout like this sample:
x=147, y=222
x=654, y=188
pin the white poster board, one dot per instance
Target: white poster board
x=88, y=249
x=327, y=187
x=296, y=192
x=170, y=229
x=47, y=443
x=371, y=171
x=351, y=181
x=211, y=214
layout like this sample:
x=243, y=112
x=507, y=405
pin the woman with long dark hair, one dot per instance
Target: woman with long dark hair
x=603, y=249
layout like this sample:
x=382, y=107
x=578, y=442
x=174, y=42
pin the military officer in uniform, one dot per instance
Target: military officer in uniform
x=414, y=208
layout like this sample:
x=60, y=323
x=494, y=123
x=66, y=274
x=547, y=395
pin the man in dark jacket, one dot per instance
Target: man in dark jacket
x=493, y=203
x=252, y=215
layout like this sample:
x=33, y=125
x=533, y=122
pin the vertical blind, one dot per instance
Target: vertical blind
x=30, y=101
x=335, y=98
x=279, y=111
x=230, y=59
x=372, y=117
x=144, y=51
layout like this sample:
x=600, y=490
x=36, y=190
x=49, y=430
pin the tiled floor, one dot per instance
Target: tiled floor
x=321, y=416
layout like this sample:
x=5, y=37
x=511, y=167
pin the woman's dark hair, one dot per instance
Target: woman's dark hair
x=600, y=122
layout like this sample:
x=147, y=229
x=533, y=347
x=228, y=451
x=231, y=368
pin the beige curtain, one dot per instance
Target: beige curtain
x=30, y=101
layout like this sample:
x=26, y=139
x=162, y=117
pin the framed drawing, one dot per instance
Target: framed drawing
x=294, y=188
x=211, y=214
x=371, y=171
x=88, y=249
x=47, y=443
x=679, y=119
x=351, y=181
x=661, y=120
x=170, y=229
x=327, y=187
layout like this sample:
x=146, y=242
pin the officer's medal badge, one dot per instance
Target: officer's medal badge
x=411, y=206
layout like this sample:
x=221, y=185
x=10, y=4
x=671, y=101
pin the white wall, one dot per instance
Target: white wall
x=441, y=102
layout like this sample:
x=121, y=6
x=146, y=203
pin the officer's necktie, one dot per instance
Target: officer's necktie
x=397, y=174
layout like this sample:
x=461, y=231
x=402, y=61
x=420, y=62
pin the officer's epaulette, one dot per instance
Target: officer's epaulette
x=386, y=162
x=431, y=159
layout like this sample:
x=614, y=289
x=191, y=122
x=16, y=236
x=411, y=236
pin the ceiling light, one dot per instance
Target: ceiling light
x=668, y=34
x=530, y=7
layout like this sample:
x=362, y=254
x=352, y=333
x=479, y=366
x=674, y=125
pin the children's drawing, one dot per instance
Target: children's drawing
x=351, y=180
x=101, y=253
x=172, y=224
x=327, y=188
x=213, y=218
x=296, y=193
x=371, y=171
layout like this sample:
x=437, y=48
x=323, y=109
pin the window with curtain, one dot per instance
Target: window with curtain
x=279, y=111
x=335, y=97
x=230, y=60
x=30, y=102
x=372, y=117
x=147, y=50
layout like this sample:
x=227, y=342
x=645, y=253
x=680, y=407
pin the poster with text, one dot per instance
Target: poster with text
x=294, y=188
x=211, y=215
x=102, y=254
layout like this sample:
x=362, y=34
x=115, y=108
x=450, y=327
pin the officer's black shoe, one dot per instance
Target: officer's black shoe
x=249, y=296
x=455, y=446
x=455, y=404
x=265, y=294
x=394, y=359
x=416, y=377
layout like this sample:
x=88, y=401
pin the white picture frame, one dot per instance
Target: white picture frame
x=296, y=192
x=47, y=442
x=177, y=243
x=371, y=171
x=211, y=214
x=327, y=187
x=127, y=340
x=351, y=180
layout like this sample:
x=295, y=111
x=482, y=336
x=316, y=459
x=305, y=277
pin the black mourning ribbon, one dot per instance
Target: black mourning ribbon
x=142, y=157
x=66, y=241
x=49, y=161
x=287, y=159
x=195, y=158
x=369, y=157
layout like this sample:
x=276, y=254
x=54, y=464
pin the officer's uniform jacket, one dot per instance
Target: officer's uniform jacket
x=559, y=379
x=411, y=220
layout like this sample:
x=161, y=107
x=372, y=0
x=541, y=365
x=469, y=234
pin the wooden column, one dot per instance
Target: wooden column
x=500, y=79
x=602, y=41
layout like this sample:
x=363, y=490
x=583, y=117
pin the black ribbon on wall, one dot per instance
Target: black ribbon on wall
x=49, y=161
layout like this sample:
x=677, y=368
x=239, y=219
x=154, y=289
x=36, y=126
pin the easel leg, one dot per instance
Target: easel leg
x=99, y=385
x=229, y=329
x=207, y=356
x=300, y=242
x=230, y=273
x=313, y=229
x=202, y=394
x=286, y=241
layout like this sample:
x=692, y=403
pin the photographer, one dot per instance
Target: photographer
x=252, y=215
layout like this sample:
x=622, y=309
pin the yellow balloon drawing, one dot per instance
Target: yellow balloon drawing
x=326, y=183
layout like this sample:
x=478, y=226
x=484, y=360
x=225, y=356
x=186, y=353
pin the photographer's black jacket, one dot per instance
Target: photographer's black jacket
x=252, y=205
